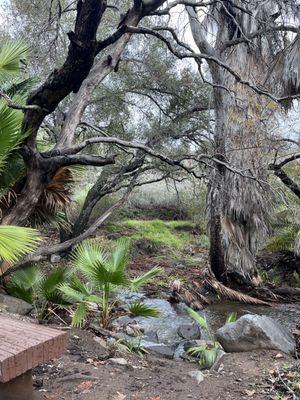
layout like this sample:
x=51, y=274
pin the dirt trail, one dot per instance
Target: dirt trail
x=80, y=374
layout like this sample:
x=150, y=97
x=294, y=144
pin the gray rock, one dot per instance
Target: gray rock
x=134, y=330
x=119, y=361
x=197, y=375
x=55, y=258
x=145, y=247
x=158, y=348
x=16, y=306
x=252, y=332
x=189, y=331
x=151, y=336
x=124, y=320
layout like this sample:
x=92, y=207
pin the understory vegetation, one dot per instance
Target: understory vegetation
x=149, y=170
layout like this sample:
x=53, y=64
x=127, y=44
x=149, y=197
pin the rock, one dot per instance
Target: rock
x=118, y=361
x=158, y=348
x=252, y=332
x=196, y=375
x=145, y=247
x=151, y=336
x=134, y=330
x=189, y=331
x=219, y=358
x=100, y=341
x=55, y=258
x=13, y=305
x=124, y=320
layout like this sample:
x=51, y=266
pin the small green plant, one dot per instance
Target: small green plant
x=139, y=308
x=38, y=289
x=105, y=273
x=207, y=353
x=232, y=317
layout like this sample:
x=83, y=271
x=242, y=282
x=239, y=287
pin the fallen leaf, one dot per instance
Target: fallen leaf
x=84, y=385
x=119, y=396
x=249, y=392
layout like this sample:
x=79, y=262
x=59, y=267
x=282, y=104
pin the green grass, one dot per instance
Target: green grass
x=158, y=231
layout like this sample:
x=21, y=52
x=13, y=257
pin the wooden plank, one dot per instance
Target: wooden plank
x=24, y=345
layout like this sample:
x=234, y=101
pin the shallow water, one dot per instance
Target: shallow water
x=175, y=315
x=287, y=314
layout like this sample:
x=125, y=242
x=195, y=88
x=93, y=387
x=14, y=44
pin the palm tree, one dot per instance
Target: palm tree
x=105, y=273
x=14, y=241
x=239, y=207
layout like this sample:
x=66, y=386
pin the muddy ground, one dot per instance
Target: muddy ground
x=85, y=372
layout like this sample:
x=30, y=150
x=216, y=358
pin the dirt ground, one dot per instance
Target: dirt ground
x=86, y=373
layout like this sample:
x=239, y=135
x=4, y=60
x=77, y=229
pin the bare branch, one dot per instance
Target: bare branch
x=80, y=159
x=207, y=57
x=11, y=104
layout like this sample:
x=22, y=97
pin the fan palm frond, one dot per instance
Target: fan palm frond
x=23, y=283
x=139, y=281
x=16, y=241
x=12, y=55
x=49, y=285
x=80, y=315
x=140, y=309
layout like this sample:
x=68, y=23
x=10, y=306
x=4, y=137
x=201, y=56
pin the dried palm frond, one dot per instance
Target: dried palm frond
x=231, y=294
x=56, y=194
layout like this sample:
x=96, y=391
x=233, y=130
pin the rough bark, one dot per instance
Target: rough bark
x=75, y=75
x=237, y=207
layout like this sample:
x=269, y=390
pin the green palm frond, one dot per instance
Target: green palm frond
x=70, y=294
x=201, y=321
x=98, y=266
x=28, y=277
x=12, y=55
x=119, y=258
x=23, y=283
x=16, y=241
x=80, y=315
x=140, y=309
x=232, y=317
x=49, y=286
x=139, y=281
x=86, y=254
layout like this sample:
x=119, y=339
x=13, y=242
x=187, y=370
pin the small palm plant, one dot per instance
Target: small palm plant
x=207, y=352
x=39, y=289
x=105, y=273
x=14, y=241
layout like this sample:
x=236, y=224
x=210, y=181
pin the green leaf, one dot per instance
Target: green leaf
x=232, y=317
x=16, y=241
x=80, y=315
x=12, y=53
x=209, y=356
x=70, y=294
x=139, y=281
x=139, y=308
x=201, y=321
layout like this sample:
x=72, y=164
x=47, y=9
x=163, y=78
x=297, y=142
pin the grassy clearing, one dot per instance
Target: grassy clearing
x=158, y=231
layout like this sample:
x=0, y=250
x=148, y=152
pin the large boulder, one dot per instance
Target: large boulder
x=251, y=332
x=15, y=306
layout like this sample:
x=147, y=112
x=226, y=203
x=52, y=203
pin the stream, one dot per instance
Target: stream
x=168, y=334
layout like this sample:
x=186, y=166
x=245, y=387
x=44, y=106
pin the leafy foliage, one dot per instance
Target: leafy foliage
x=207, y=352
x=104, y=272
x=138, y=308
x=16, y=241
x=31, y=285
